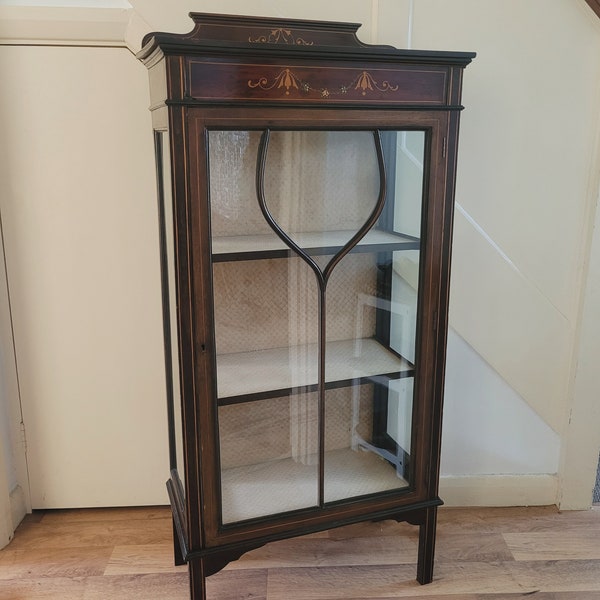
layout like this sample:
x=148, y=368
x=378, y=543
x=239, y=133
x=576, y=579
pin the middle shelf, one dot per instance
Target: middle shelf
x=245, y=376
x=269, y=245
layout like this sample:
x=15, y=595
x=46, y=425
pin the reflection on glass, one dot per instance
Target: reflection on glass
x=321, y=185
x=410, y=158
x=266, y=337
x=315, y=373
x=355, y=310
x=232, y=163
x=170, y=303
x=408, y=182
x=355, y=465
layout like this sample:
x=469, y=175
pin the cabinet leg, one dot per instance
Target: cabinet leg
x=427, y=546
x=197, y=579
x=177, y=553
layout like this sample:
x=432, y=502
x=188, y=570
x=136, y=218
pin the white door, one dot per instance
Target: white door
x=78, y=204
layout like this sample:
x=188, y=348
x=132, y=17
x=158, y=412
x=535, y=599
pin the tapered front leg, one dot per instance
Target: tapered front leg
x=197, y=579
x=427, y=546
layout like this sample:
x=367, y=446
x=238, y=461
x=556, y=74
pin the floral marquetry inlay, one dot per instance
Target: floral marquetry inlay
x=280, y=36
x=366, y=82
x=287, y=80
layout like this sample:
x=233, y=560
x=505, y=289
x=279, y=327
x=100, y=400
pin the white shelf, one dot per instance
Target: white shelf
x=269, y=243
x=246, y=373
x=291, y=485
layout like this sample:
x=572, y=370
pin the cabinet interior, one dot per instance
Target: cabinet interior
x=320, y=187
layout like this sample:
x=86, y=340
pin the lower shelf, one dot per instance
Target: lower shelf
x=284, y=485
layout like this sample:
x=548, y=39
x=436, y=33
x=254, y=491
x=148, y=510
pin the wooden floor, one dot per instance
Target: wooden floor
x=482, y=554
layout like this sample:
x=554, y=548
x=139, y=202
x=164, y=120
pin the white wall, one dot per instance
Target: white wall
x=78, y=199
x=488, y=429
x=526, y=192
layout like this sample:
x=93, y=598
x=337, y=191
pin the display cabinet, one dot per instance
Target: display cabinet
x=305, y=185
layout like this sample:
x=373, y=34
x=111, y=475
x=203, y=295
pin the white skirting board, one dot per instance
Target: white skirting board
x=499, y=490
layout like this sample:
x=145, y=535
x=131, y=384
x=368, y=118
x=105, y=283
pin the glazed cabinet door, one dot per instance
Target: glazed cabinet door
x=316, y=239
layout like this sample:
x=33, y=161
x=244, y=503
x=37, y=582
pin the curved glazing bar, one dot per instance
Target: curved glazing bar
x=372, y=217
x=322, y=274
x=260, y=194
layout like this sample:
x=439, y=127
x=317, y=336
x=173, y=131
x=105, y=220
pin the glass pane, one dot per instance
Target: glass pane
x=234, y=208
x=403, y=308
x=269, y=456
x=355, y=464
x=265, y=326
x=279, y=313
x=408, y=193
x=266, y=332
x=356, y=307
x=404, y=288
x=321, y=186
x=171, y=338
x=408, y=181
x=372, y=302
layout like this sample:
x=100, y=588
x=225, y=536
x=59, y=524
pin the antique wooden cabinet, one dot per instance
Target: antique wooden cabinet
x=305, y=185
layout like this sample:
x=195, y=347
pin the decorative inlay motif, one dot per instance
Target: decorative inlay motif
x=364, y=83
x=284, y=79
x=280, y=36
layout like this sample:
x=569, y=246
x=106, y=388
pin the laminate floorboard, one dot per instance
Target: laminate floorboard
x=482, y=554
